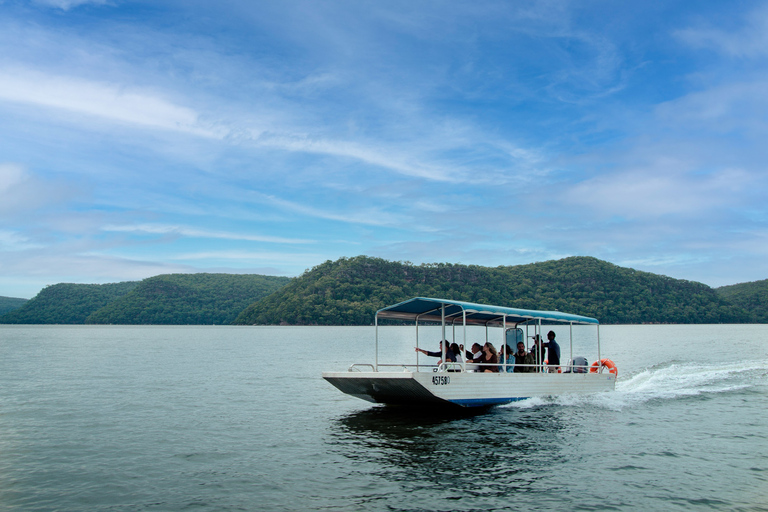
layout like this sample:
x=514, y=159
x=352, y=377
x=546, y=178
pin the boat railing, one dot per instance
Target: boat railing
x=508, y=367
x=355, y=367
x=479, y=367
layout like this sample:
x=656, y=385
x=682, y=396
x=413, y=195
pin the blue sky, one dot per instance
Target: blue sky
x=148, y=137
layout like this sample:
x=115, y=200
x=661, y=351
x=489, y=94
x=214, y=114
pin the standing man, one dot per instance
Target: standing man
x=553, y=351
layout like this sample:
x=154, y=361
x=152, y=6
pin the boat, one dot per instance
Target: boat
x=464, y=384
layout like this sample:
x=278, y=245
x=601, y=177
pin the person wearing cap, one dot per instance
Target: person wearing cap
x=537, y=353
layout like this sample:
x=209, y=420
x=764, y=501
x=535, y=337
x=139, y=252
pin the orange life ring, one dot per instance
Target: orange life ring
x=607, y=363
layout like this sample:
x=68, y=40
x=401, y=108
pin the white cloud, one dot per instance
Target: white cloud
x=738, y=106
x=369, y=216
x=379, y=157
x=292, y=258
x=22, y=191
x=104, y=100
x=164, y=229
x=10, y=175
x=651, y=192
x=66, y=5
x=748, y=42
x=14, y=241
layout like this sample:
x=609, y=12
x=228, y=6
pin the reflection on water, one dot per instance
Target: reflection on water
x=461, y=454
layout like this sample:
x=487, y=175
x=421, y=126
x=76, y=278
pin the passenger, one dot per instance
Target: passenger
x=457, y=352
x=476, y=354
x=523, y=360
x=553, y=352
x=508, y=358
x=449, y=355
x=490, y=357
x=537, y=353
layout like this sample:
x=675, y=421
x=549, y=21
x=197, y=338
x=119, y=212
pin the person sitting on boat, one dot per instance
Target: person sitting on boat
x=553, y=352
x=476, y=354
x=490, y=358
x=449, y=355
x=537, y=353
x=507, y=357
x=456, y=352
x=524, y=361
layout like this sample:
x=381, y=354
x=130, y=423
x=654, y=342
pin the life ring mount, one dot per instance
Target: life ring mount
x=607, y=363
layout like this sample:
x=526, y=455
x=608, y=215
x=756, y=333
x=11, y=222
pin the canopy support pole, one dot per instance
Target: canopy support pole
x=540, y=351
x=599, y=364
x=376, y=344
x=504, y=343
x=417, y=342
x=464, y=319
x=443, y=343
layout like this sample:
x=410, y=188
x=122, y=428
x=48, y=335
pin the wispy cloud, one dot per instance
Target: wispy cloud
x=15, y=241
x=10, y=175
x=195, y=135
x=247, y=256
x=66, y=5
x=747, y=41
x=161, y=229
x=104, y=100
x=367, y=216
x=656, y=192
x=738, y=105
x=365, y=153
x=22, y=192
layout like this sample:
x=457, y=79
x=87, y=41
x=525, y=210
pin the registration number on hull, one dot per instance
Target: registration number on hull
x=441, y=380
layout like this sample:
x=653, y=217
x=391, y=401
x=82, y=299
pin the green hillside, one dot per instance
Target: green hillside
x=348, y=292
x=751, y=296
x=66, y=303
x=177, y=299
x=10, y=303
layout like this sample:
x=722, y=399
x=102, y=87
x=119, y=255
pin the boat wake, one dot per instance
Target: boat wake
x=666, y=382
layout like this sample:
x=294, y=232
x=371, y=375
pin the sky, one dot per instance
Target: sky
x=140, y=138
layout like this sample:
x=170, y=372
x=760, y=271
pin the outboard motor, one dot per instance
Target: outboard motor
x=580, y=363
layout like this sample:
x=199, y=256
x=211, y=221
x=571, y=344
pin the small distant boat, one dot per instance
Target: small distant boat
x=467, y=384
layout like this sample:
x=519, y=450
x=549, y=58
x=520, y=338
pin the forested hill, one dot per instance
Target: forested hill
x=164, y=299
x=10, y=303
x=349, y=291
x=178, y=299
x=67, y=303
x=751, y=296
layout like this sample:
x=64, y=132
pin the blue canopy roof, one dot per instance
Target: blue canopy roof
x=429, y=310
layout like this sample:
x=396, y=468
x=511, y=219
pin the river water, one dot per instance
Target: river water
x=238, y=418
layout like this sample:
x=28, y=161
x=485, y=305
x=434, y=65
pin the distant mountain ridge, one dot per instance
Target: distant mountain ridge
x=10, y=303
x=188, y=299
x=168, y=299
x=66, y=303
x=752, y=296
x=349, y=290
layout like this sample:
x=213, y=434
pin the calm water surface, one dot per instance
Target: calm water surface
x=238, y=418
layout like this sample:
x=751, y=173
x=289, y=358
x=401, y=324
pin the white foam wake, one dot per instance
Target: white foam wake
x=667, y=382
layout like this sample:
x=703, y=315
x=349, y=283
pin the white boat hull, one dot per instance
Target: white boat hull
x=466, y=389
